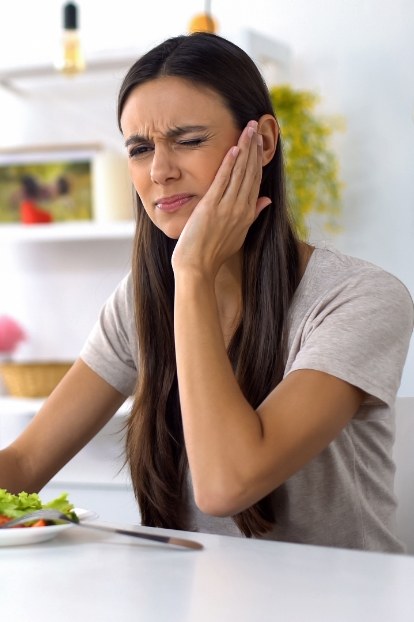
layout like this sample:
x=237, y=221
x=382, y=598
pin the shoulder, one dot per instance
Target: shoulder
x=333, y=277
x=115, y=323
x=119, y=305
x=111, y=348
x=353, y=320
x=124, y=289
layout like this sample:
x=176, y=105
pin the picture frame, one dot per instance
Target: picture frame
x=51, y=184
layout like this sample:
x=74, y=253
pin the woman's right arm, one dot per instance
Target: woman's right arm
x=72, y=415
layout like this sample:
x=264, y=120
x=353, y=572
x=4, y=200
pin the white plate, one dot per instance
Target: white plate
x=32, y=535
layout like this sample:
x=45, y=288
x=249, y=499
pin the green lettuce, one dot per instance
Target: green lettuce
x=14, y=506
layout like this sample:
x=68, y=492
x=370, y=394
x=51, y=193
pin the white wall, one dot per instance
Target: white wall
x=358, y=54
x=55, y=290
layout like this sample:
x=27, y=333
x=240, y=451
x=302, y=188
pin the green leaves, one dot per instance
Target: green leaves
x=61, y=504
x=14, y=506
x=312, y=170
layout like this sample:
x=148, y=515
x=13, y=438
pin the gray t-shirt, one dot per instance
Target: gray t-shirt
x=352, y=320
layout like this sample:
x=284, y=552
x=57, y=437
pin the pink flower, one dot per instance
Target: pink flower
x=11, y=334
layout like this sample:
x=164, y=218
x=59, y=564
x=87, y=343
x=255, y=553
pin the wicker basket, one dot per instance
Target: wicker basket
x=32, y=379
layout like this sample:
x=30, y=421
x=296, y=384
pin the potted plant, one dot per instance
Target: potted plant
x=312, y=169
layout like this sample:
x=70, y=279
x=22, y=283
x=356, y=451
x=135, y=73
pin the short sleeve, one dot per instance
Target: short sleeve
x=110, y=349
x=360, y=332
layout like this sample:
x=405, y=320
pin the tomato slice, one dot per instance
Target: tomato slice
x=39, y=523
x=4, y=519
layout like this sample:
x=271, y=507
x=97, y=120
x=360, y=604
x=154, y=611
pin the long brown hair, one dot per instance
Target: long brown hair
x=155, y=447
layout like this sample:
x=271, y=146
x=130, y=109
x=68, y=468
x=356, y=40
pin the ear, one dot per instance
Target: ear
x=269, y=129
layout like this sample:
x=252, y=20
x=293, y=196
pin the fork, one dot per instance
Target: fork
x=55, y=515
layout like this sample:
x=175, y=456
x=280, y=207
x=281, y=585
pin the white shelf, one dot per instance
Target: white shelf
x=68, y=231
x=33, y=79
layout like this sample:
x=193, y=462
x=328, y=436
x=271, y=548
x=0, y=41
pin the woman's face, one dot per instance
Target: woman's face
x=177, y=135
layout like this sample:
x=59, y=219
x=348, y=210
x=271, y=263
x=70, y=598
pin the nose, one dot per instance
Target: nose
x=164, y=166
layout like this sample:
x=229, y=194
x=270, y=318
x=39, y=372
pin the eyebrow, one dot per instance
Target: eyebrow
x=174, y=132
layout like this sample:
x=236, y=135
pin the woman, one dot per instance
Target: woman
x=267, y=369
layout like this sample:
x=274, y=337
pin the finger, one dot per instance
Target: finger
x=250, y=185
x=223, y=175
x=255, y=187
x=243, y=173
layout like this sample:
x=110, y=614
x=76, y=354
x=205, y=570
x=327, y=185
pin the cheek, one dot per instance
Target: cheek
x=209, y=164
x=138, y=175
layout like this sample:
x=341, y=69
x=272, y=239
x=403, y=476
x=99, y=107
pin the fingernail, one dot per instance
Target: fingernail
x=252, y=123
x=250, y=131
x=259, y=140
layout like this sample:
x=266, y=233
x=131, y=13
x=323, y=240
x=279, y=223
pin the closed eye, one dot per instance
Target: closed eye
x=143, y=149
x=193, y=142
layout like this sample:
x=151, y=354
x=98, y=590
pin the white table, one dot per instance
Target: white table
x=84, y=575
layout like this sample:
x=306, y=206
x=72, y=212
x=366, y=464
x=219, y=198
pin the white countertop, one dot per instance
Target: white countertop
x=84, y=575
x=29, y=406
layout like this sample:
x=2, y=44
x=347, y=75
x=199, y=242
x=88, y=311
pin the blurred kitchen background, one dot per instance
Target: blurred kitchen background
x=355, y=55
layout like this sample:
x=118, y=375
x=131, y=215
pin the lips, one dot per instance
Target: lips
x=173, y=203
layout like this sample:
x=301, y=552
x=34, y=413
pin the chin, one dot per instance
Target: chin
x=172, y=234
x=173, y=230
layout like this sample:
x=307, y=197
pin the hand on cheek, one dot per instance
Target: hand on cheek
x=218, y=226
